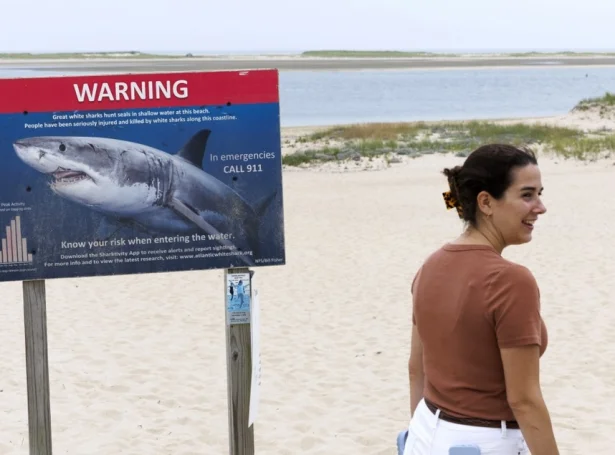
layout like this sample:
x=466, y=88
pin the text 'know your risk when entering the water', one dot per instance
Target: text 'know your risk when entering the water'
x=145, y=241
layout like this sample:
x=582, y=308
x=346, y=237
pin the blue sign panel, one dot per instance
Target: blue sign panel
x=125, y=174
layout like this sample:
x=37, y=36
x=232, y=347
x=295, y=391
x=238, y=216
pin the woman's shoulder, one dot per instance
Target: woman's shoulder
x=480, y=259
x=513, y=283
x=462, y=252
x=509, y=271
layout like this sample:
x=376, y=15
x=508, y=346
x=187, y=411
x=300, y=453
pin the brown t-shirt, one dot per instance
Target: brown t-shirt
x=468, y=301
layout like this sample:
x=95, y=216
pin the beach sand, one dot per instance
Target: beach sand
x=299, y=63
x=137, y=363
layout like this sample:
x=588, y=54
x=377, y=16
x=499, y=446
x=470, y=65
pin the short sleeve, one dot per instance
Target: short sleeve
x=515, y=306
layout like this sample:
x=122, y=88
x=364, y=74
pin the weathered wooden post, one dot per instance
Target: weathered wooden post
x=239, y=359
x=37, y=367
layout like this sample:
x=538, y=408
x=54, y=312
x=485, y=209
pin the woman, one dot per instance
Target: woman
x=477, y=333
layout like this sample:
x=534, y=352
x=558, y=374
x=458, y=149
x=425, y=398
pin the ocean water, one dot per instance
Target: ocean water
x=340, y=97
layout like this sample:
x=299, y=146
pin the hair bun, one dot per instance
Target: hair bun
x=488, y=168
x=453, y=172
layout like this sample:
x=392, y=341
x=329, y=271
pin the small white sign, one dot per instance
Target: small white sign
x=256, y=356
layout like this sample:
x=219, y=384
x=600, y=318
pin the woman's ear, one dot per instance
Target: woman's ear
x=484, y=203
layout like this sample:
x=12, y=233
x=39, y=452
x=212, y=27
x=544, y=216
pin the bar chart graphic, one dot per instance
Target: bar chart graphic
x=14, y=246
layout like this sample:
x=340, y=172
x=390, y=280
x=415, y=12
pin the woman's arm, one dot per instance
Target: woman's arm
x=521, y=372
x=515, y=302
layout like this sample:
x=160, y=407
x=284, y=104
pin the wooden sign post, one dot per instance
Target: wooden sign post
x=239, y=359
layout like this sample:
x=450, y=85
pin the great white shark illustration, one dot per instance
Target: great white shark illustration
x=143, y=187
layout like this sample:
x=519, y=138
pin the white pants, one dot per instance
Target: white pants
x=430, y=435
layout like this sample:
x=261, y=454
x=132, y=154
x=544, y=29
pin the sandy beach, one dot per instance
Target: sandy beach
x=137, y=363
x=298, y=63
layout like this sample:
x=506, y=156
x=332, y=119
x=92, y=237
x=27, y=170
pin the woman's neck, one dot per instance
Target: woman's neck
x=477, y=236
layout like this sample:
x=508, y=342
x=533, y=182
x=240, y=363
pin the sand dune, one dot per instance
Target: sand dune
x=137, y=364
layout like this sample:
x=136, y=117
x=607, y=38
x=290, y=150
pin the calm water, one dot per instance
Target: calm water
x=328, y=97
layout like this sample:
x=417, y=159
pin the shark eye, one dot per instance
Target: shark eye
x=62, y=147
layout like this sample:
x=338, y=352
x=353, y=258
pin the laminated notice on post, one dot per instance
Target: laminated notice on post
x=238, y=298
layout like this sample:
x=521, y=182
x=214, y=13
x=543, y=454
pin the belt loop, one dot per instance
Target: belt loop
x=435, y=428
x=503, y=429
x=437, y=418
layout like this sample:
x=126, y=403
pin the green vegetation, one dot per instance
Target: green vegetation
x=83, y=55
x=563, y=54
x=417, y=54
x=341, y=53
x=603, y=102
x=393, y=140
x=372, y=54
x=312, y=53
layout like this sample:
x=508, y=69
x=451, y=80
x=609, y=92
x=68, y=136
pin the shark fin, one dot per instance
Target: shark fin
x=254, y=226
x=194, y=150
x=182, y=209
x=109, y=228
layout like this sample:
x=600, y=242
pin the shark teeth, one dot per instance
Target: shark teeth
x=62, y=175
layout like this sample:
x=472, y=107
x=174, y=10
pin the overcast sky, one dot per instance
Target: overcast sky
x=292, y=25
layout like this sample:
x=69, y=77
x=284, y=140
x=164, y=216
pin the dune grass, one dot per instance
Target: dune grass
x=586, y=148
x=460, y=138
x=455, y=131
x=605, y=102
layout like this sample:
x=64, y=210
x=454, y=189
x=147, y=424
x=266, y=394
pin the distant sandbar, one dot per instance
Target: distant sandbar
x=308, y=61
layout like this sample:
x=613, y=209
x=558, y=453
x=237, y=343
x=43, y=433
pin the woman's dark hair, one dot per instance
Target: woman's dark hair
x=488, y=168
